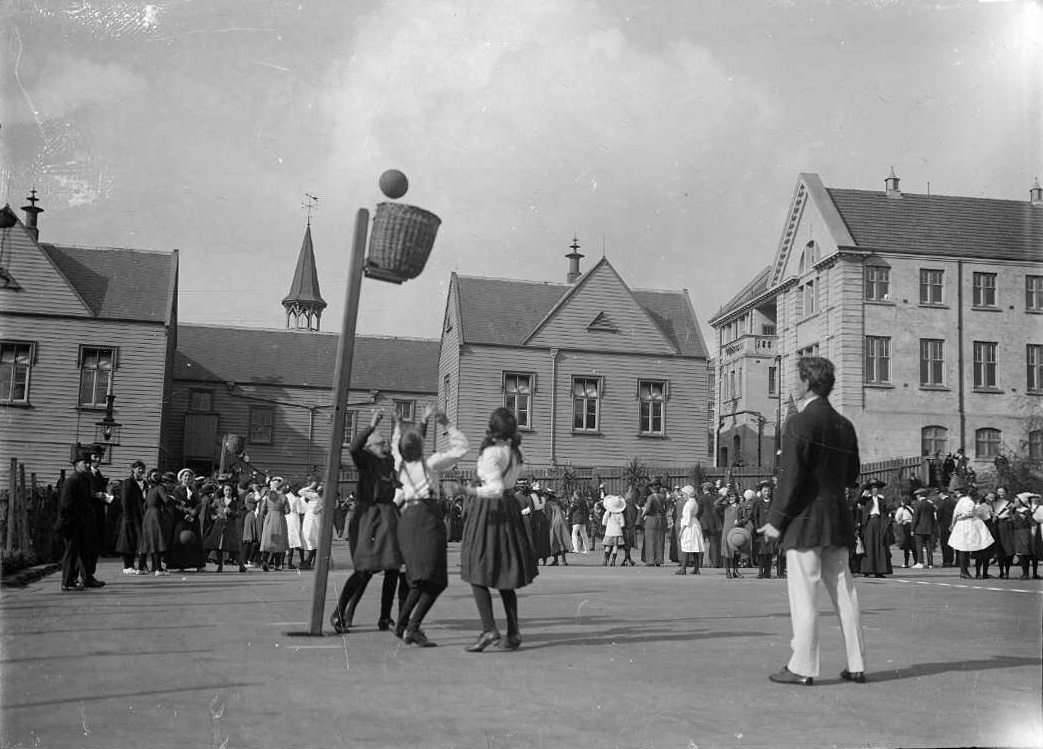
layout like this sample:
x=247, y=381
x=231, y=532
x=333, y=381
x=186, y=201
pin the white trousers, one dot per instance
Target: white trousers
x=580, y=539
x=805, y=569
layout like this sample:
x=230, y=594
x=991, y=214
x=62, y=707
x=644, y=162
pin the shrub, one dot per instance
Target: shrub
x=17, y=560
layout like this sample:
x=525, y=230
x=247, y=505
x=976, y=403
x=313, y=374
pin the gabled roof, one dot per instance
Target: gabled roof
x=497, y=311
x=119, y=283
x=749, y=292
x=304, y=288
x=293, y=358
x=942, y=225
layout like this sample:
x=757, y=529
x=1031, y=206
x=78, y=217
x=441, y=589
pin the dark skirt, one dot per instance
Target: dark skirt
x=373, y=534
x=422, y=540
x=1004, y=533
x=495, y=551
x=181, y=554
x=153, y=535
x=655, y=540
x=540, y=534
x=877, y=560
x=224, y=535
x=128, y=540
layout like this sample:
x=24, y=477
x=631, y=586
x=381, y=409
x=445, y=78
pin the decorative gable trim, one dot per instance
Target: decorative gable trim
x=602, y=324
x=7, y=280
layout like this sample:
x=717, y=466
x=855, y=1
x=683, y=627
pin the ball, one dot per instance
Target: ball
x=393, y=183
x=186, y=537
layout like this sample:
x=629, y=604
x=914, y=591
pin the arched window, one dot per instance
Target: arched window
x=934, y=440
x=987, y=443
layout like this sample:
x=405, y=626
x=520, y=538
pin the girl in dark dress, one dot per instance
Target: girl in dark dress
x=495, y=551
x=186, y=545
x=153, y=542
x=224, y=537
x=421, y=531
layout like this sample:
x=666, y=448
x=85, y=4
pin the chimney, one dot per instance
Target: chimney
x=574, y=257
x=892, y=185
x=31, y=212
x=1036, y=193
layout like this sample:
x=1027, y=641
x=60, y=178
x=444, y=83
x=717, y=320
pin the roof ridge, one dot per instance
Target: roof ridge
x=932, y=196
x=305, y=333
x=100, y=248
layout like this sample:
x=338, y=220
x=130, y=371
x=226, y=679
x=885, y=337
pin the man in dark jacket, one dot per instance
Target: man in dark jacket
x=944, y=507
x=710, y=520
x=77, y=525
x=924, y=522
x=809, y=513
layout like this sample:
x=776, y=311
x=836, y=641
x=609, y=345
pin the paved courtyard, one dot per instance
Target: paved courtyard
x=612, y=657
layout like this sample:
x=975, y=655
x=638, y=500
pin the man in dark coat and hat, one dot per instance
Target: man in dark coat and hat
x=809, y=513
x=77, y=524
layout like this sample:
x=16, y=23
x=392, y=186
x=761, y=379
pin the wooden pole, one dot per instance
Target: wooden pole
x=341, y=385
x=23, y=514
x=12, y=480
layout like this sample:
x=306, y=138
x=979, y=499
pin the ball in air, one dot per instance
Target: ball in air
x=393, y=183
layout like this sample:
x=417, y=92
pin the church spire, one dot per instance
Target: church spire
x=304, y=304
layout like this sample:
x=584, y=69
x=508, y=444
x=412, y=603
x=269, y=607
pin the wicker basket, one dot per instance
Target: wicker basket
x=401, y=242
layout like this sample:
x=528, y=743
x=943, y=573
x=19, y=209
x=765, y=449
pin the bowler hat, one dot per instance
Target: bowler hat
x=81, y=453
x=739, y=538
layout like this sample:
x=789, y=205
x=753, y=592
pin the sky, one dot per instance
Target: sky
x=666, y=135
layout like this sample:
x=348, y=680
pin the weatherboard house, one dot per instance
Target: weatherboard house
x=86, y=337
x=597, y=373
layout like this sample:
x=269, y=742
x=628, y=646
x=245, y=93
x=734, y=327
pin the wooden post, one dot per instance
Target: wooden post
x=341, y=385
x=23, y=515
x=12, y=481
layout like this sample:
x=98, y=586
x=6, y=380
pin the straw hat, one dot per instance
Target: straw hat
x=739, y=538
x=614, y=503
x=688, y=490
x=185, y=472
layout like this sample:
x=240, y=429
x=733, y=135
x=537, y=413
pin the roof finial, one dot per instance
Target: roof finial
x=574, y=257
x=311, y=203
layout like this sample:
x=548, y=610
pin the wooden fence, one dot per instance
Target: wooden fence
x=28, y=512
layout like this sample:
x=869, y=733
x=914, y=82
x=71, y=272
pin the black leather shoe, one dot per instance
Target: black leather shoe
x=418, y=638
x=485, y=639
x=511, y=642
x=785, y=676
x=76, y=587
x=859, y=677
x=340, y=625
x=385, y=624
x=94, y=583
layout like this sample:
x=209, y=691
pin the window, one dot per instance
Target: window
x=732, y=389
x=351, y=425
x=652, y=394
x=773, y=380
x=1034, y=293
x=987, y=443
x=517, y=397
x=984, y=364
x=406, y=411
x=984, y=292
x=931, y=284
x=811, y=350
x=932, y=362
x=878, y=283
x=807, y=301
x=767, y=330
x=96, y=365
x=586, y=403
x=261, y=420
x=16, y=363
x=1036, y=444
x=934, y=440
x=1034, y=367
x=445, y=393
x=200, y=400
x=878, y=360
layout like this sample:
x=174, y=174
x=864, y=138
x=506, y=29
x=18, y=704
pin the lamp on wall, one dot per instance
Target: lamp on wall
x=108, y=431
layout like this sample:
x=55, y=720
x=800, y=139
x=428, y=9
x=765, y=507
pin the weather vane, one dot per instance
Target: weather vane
x=311, y=203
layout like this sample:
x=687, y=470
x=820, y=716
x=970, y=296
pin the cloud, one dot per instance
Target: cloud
x=537, y=118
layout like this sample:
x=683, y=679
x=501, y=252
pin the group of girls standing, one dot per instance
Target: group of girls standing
x=397, y=522
x=184, y=525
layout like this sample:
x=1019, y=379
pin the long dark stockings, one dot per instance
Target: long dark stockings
x=964, y=559
x=422, y=596
x=157, y=562
x=355, y=586
x=483, y=599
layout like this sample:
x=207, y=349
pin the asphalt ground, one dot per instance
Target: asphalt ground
x=611, y=657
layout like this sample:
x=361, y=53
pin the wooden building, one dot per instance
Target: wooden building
x=597, y=373
x=86, y=339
